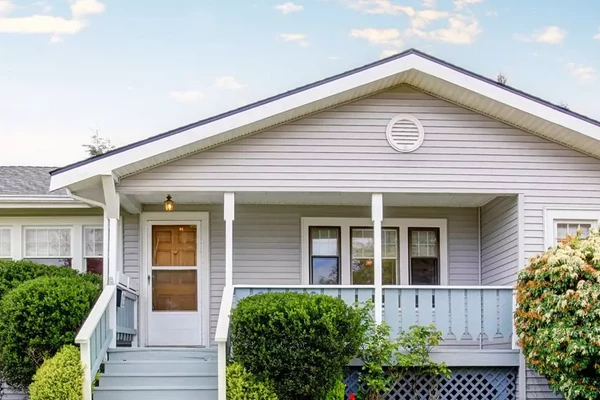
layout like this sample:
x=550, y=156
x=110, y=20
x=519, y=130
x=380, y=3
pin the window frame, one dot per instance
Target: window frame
x=12, y=244
x=410, y=257
x=402, y=224
x=83, y=245
x=311, y=256
x=555, y=215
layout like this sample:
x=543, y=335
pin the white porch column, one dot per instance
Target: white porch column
x=229, y=216
x=377, y=216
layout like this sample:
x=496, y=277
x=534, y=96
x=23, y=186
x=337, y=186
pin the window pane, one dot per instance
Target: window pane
x=325, y=270
x=362, y=243
x=424, y=243
x=174, y=290
x=424, y=271
x=389, y=272
x=564, y=229
x=93, y=242
x=324, y=241
x=94, y=265
x=362, y=271
x=60, y=262
x=5, y=250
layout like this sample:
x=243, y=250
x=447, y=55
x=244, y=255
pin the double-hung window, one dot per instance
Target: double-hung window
x=93, y=249
x=562, y=223
x=49, y=245
x=341, y=251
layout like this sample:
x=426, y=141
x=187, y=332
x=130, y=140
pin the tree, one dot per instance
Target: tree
x=558, y=316
x=564, y=104
x=98, y=146
x=501, y=78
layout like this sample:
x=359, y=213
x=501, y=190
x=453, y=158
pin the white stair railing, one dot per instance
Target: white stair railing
x=221, y=337
x=95, y=336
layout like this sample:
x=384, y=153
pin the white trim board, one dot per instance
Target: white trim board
x=148, y=218
x=561, y=214
x=346, y=87
x=401, y=223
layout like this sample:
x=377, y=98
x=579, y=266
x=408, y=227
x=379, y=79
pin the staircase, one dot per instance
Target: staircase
x=158, y=373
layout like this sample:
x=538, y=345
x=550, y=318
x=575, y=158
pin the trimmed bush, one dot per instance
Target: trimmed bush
x=298, y=341
x=60, y=377
x=13, y=273
x=37, y=319
x=558, y=316
x=338, y=392
x=242, y=385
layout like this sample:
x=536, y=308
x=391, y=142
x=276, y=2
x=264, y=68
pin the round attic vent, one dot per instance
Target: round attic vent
x=405, y=133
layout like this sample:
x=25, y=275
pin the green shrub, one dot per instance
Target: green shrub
x=338, y=392
x=38, y=318
x=242, y=385
x=298, y=341
x=558, y=316
x=60, y=377
x=13, y=273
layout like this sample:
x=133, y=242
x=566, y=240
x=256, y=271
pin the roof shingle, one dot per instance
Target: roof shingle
x=27, y=181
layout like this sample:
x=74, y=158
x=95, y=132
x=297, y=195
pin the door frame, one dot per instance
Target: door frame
x=147, y=219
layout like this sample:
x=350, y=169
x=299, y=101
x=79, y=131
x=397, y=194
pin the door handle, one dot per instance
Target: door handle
x=149, y=279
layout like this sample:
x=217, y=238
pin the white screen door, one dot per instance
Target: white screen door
x=174, y=311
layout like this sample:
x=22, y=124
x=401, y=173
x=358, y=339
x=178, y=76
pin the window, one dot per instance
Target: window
x=362, y=245
x=424, y=256
x=560, y=223
x=93, y=245
x=341, y=251
x=51, y=246
x=324, y=256
x=5, y=243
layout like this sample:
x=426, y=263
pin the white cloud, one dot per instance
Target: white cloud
x=41, y=24
x=459, y=4
x=582, y=72
x=289, y=7
x=44, y=6
x=547, y=35
x=298, y=38
x=55, y=39
x=429, y=3
x=460, y=30
x=186, y=96
x=379, y=7
x=81, y=8
x=423, y=18
x=229, y=83
x=6, y=6
x=378, y=36
x=597, y=37
x=388, y=53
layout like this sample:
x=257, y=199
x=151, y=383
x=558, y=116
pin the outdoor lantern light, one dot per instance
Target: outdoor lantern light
x=169, y=204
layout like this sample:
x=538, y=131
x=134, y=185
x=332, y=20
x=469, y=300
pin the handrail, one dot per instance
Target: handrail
x=124, y=282
x=94, y=338
x=221, y=337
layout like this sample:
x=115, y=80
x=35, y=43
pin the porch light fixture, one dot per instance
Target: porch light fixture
x=169, y=204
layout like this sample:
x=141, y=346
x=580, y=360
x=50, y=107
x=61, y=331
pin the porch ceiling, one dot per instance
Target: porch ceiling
x=350, y=199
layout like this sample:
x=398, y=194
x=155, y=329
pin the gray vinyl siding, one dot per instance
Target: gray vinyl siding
x=10, y=394
x=500, y=241
x=537, y=387
x=131, y=246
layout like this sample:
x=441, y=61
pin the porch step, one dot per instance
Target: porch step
x=159, y=373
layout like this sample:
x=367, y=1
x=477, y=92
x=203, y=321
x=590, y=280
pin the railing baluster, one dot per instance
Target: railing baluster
x=425, y=307
x=490, y=313
x=474, y=313
x=391, y=310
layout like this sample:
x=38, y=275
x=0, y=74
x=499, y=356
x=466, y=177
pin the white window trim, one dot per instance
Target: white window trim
x=76, y=223
x=12, y=251
x=36, y=227
x=402, y=224
x=554, y=215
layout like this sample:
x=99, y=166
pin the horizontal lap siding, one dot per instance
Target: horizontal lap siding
x=537, y=387
x=500, y=241
x=131, y=247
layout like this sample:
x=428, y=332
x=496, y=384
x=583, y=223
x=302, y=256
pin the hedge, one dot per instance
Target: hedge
x=60, y=377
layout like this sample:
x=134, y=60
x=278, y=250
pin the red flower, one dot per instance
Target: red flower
x=352, y=396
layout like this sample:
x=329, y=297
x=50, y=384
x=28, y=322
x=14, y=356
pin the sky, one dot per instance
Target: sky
x=130, y=69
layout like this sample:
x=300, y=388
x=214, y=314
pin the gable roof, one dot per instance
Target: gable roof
x=412, y=67
x=27, y=181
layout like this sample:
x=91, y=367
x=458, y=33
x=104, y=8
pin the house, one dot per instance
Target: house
x=410, y=181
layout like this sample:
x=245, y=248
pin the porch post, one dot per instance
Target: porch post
x=229, y=216
x=377, y=216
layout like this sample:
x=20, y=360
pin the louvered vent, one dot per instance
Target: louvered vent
x=405, y=133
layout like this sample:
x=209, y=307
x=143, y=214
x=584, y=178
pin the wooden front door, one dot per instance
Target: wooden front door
x=175, y=318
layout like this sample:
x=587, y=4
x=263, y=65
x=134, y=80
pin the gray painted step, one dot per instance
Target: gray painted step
x=159, y=379
x=161, y=354
x=156, y=393
x=158, y=366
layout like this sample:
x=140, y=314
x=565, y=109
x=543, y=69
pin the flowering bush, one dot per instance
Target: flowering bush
x=558, y=316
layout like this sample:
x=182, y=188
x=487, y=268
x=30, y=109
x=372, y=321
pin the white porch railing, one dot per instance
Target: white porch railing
x=468, y=316
x=96, y=334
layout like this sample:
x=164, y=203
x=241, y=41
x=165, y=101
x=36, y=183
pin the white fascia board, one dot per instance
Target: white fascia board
x=39, y=202
x=335, y=87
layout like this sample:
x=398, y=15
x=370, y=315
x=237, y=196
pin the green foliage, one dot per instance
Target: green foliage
x=242, y=385
x=558, y=316
x=37, y=319
x=298, y=341
x=60, y=377
x=13, y=273
x=338, y=392
x=386, y=361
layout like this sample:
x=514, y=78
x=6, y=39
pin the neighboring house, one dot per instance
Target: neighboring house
x=409, y=181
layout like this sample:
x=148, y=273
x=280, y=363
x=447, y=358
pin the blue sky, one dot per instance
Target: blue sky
x=135, y=68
